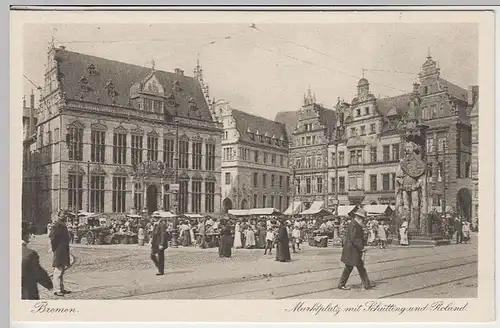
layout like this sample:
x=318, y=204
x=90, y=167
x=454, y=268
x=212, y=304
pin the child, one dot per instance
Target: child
x=296, y=238
x=269, y=241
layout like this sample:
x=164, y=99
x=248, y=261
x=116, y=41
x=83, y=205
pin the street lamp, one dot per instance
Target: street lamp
x=293, y=189
x=337, y=138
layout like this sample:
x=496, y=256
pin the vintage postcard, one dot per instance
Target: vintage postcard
x=255, y=166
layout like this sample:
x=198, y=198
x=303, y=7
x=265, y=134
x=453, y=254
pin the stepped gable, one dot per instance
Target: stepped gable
x=73, y=66
x=247, y=124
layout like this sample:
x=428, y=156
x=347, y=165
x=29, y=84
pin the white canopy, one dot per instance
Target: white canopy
x=344, y=210
x=239, y=212
x=296, y=206
x=315, y=208
x=85, y=214
x=134, y=216
x=377, y=209
x=163, y=214
x=264, y=211
x=194, y=216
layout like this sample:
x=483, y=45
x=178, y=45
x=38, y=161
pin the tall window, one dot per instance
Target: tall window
x=441, y=143
x=373, y=154
x=272, y=201
x=196, y=197
x=197, y=155
x=255, y=201
x=363, y=130
x=385, y=181
x=319, y=184
x=210, y=157
x=341, y=158
x=264, y=180
x=440, y=172
x=97, y=146
x=395, y=152
x=334, y=185
x=308, y=185
x=168, y=152
x=281, y=181
x=353, y=158
x=430, y=145
x=372, y=128
x=386, y=154
x=183, y=196
x=228, y=178
x=264, y=200
x=256, y=156
x=97, y=193
x=273, y=159
x=119, y=148
x=75, y=191
x=272, y=180
x=136, y=149
x=341, y=184
x=119, y=194
x=308, y=162
x=255, y=179
x=264, y=157
x=280, y=204
x=183, y=154
x=373, y=182
x=152, y=148
x=138, y=197
x=75, y=144
x=393, y=181
x=282, y=160
x=209, y=197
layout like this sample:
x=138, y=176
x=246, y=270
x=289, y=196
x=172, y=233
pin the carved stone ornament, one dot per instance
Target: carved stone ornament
x=413, y=165
x=112, y=93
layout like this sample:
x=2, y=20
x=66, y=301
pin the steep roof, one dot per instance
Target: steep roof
x=248, y=124
x=397, y=105
x=74, y=66
x=454, y=90
x=329, y=119
x=289, y=119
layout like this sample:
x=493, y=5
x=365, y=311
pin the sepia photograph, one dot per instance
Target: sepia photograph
x=250, y=160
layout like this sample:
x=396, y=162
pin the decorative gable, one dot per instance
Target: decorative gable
x=152, y=85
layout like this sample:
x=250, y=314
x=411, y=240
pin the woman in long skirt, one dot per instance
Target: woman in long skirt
x=283, y=244
x=225, y=240
x=403, y=233
x=262, y=235
x=382, y=235
x=237, y=236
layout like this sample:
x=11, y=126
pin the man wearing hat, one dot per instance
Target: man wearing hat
x=32, y=273
x=159, y=243
x=457, y=227
x=59, y=240
x=352, y=252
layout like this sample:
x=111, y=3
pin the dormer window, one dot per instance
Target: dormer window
x=268, y=140
x=367, y=111
x=91, y=69
x=358, y=112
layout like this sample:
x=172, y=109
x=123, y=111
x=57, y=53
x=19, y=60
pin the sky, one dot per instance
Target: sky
x=267, y=69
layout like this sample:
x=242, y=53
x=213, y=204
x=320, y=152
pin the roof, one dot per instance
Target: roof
x=74, y=66
x=290, y=120
x=397, y=105
x=328, y=118
x=247, y=124
x=454, y=90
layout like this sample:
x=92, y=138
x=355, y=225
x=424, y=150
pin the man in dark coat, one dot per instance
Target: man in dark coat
x=159, y=243
x=352, y=252
x=283, y=244
x=59, y=241
x=457, y=226
x=32, y=273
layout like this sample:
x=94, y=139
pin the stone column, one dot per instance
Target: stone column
x=162, y=194
x=145, y=196
x=133, y=194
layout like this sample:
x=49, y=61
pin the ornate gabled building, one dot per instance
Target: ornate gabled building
x=110, y=134
x=255, y=170
x=30, y=188
x=309, y=155
x=473, y=101
x=363, y=141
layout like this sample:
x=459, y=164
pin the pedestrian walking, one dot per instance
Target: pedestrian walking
x=283, y=244
x=158, y=245
x=270, y=236
x=32, y=272
x=296, y=238
x=457, y=225
x=353, y=250
x=382, y=235
x=466, y=231
x=403, y=233
x=59, y=239
x=225, y=239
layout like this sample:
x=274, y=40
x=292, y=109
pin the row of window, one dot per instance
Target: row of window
x=355, y=132
x=307, y=141
x=268, y=140
x=272, y=201
x=362, y=112
x=312, y=185
x=255, y=180
x=256, y=156
x=119, y=192
x=389, y=153
x=98, y=154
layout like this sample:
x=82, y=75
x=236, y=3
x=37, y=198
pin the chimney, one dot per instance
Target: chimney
x=416, y=87
x=24, y=101
x=472, y=94
x=179, y=71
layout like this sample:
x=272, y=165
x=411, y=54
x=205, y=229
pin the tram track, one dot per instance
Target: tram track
x=260, y=277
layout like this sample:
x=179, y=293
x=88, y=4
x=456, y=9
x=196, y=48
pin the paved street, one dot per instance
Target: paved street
x=126, y=272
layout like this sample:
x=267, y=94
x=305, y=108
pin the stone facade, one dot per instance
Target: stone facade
x=474, y=120
x=110, y=136
x=363, y=144
x=30, y=188
x=254, y=169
